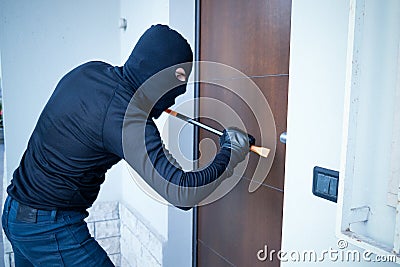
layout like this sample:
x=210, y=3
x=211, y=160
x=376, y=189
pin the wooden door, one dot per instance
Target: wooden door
x=253, y=37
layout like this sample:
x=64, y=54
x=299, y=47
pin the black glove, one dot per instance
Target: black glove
x=238, y=142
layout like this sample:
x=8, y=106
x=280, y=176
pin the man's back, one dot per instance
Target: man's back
x=65, y=160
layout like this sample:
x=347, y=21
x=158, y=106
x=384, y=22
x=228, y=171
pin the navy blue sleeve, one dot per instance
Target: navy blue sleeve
x=144, y=151
x=163, y=162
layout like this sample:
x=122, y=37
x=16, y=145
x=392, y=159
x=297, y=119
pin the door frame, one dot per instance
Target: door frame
x=196, y=129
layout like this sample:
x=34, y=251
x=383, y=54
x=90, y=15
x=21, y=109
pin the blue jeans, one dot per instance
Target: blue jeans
x=50, y=238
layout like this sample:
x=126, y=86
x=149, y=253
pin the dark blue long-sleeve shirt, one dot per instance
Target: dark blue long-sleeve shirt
x=95, y=117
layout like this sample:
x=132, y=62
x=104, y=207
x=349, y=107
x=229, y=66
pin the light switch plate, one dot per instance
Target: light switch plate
x=325, y=183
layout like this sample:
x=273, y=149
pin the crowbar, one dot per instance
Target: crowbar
x=262, y=151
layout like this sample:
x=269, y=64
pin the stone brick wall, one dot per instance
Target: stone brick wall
x=104, y=225
x=128, y=239
x=140, y=245
x=8, y=253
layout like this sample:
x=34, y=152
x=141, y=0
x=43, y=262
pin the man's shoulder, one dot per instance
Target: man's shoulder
x=93, y=65
x=91, y=72
x=92, y=76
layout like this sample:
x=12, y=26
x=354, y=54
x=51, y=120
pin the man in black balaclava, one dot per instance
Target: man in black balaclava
x=97, y=115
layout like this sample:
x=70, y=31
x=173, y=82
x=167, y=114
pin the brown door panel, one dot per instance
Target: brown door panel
x=275, y=91
x=251, y=36
x=209, y=257
x=240, y=224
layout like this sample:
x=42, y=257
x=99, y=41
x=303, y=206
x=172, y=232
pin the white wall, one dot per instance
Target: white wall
x=40, y=41
x=367, y=155
x=174, y=225
x=314, y=125
x=140, y=16
x=180, y=223
x=315, y=115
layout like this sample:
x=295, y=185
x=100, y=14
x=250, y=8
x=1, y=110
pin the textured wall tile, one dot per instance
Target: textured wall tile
x=110, y=245
x=155, y=247
x=103, y=211
x=7, y=244
x=116, y=259
x=12, y=260
x=148, y=259
x=138, y=238
x=106, y=229
x=131, y=247
x=143, y=233
x=7, y=261
x=128, y=218
x=126, y=263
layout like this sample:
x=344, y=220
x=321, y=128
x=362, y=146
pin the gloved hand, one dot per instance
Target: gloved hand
x=238, y=142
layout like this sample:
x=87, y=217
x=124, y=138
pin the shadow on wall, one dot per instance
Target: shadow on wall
x=1, y=194
x=1, y=169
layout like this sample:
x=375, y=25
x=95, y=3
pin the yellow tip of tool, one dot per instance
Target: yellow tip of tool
x=262, y=151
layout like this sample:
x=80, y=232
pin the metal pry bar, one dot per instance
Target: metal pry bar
x=262, y=151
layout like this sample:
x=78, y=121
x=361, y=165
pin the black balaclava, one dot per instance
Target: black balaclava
x=158, y=48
